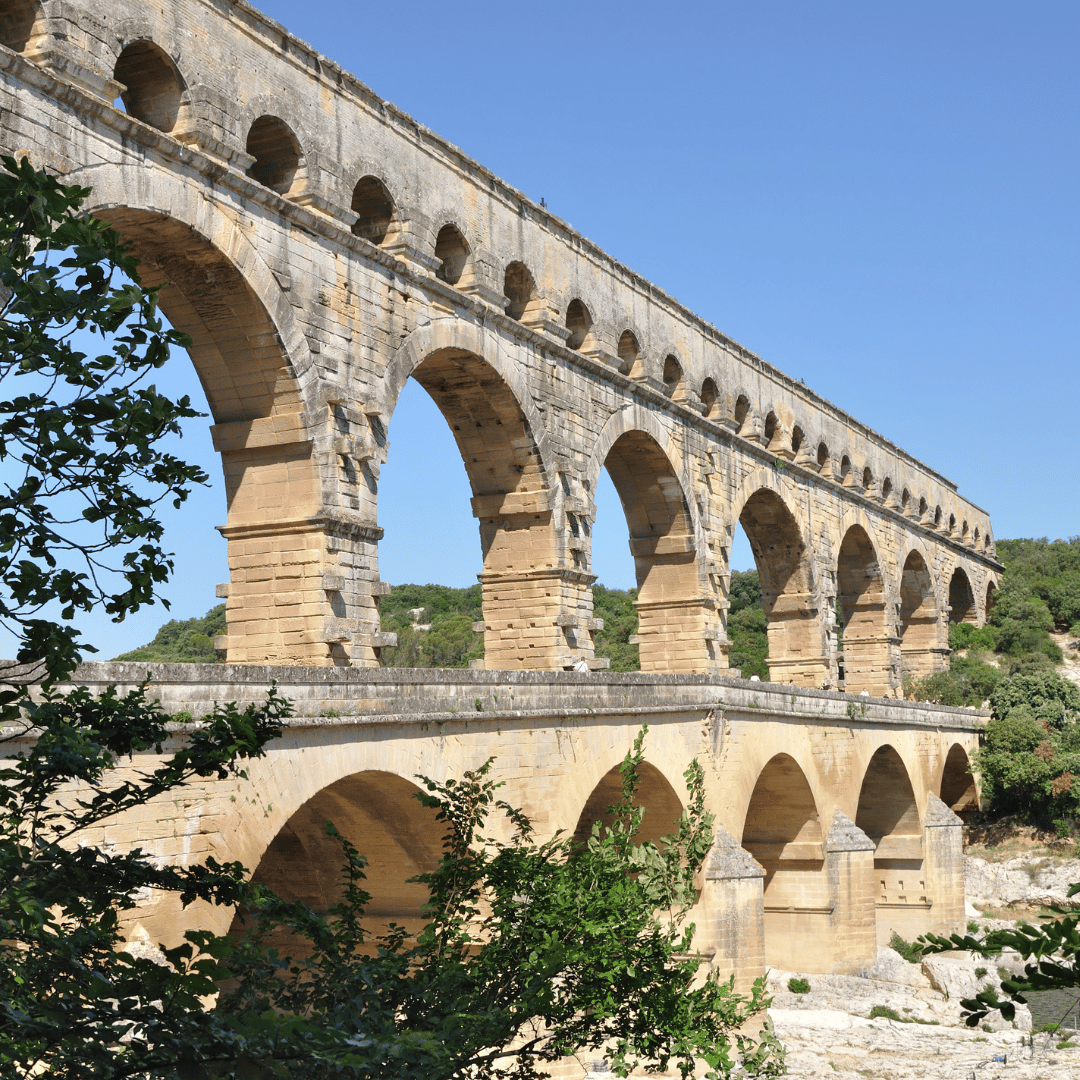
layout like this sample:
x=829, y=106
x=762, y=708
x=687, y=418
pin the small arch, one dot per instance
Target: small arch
x=783, y=833
x=867, y=479
x=923, y=507
x=937, y=517
x=964, y=532
x=18, y=24
x=905, y=500
x=798, y=437
x=153, y=87
x=822, y=457
x=673, y=374
x=886, y=489
x=742, y=411
x=961, y=598
x=987, y=542
x=374, y=209
x=845, y=470
x=276, y=152
x=452, y=251
x=655, y=796
x=958, y=790
x=519, y=287
x=860, y=599
x=952, y=524
x=579, y=323
x=629, y=352
x=975, y=537
x=772, y=424
x=709, y=399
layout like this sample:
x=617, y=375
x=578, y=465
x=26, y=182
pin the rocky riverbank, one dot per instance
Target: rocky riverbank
x=898, y=1020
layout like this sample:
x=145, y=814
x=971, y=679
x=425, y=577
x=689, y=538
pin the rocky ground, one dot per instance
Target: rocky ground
x=829, y=1032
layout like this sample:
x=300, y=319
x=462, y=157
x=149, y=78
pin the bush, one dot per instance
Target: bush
x=911, y=951
x=886, y=1013
x=798, y=986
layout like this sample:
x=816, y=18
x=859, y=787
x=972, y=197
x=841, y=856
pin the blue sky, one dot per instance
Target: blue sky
x=879, y=199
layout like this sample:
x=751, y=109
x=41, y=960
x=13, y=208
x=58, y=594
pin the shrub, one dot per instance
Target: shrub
x=886, y=1013
x=798, y=986
x=911, y=951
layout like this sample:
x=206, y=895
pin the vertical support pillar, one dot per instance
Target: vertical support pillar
x=734, y=923
x=943, y=867
x=849, y=864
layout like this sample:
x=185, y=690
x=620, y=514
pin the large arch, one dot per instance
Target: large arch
x=798, y=651
x=961, y=598
x=860, y=597
x=655, y=796
x=958, y=789
x=889, y=814
x=250, y=355
x=672, y=612
x=921, y=650
x=783, y=832
x=378, y=813
x=527, y=589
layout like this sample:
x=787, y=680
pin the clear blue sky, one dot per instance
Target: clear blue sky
x=879, y=199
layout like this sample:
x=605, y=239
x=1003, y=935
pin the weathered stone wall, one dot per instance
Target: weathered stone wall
x=322, y=248
x=805, y=839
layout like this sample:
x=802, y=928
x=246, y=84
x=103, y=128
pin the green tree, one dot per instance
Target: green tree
x=187, y=641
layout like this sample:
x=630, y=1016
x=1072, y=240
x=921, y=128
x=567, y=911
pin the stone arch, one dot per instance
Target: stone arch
x=251, y=356
x=886, y=490
x=656, y=796
x=957, y=788
x=990, y=599
x=845, y=470
x=377, y=218
x=519, y=287
x=378, y=813
x=710, y=399
x=277, y=153
x=889, y=814
x=579, y=322
x=631, y=360
x=867, y=479
x=921, y=650
x=20, y=24
x=798, y=440
x=783, y=555
x=663, y=527
x=860, y=598
x=743, y=414
x=454, y=255
x=824, y=460
x=673, y=373
x=937, y=517
x=526, y=586
x=961, y=598
x=154, y=89
x=773, y=429
x=783, y=832
x=924, y=508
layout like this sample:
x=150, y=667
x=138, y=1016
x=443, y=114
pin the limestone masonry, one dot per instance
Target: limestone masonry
x=321, y=248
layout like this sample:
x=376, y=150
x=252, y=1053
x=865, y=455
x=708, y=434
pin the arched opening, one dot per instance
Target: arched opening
x=153, y=88
x=886, y=490
x=975, y=537
x=823, y=464
x=845, y=470
x=453, y=254
x=524, y=591
x=709, y=399
x=520, y=289
x=18, y=24
x=905, y=501
x=991, y=599
x=952, y=524
x=783, y=833
x=374, y=210
x=861, y=609
x=673, y=374
x=867, y=480
x=579, y=323
x=379, y=814
x=961, y=598
x=655, y=796
x=276, y=152
x=889, y=815
x=772, y=425
x=937, y=517
x=670, y=613
x=958, y=790
x=923, y=507
x=271, y=482
x=798, y=438
x=742, y=412
x=921, y=652
x=629, y=354
x=796, y=652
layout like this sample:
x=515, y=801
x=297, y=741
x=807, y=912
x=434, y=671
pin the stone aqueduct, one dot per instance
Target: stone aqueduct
x=321, y=248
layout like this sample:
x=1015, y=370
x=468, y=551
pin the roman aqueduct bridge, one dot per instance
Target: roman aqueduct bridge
x=321, y=248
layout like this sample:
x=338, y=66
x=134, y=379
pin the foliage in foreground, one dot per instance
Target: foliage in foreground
x=1051, y=953
x=79, y=435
